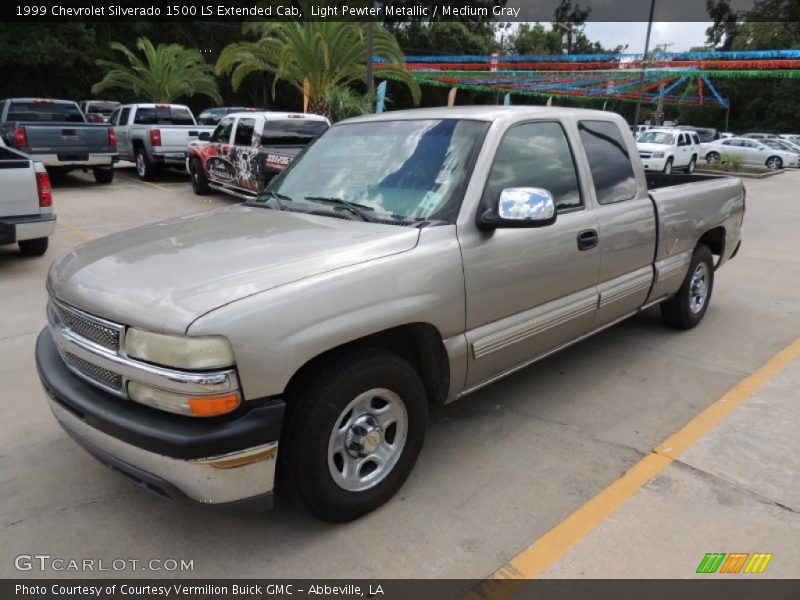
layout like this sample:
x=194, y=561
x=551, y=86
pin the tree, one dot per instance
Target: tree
x=168, y=72
x=315, y=57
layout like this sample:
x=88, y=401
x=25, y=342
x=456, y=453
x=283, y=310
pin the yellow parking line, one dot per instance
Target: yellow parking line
x=81, y=235
x=532, y=561
x=151, y=184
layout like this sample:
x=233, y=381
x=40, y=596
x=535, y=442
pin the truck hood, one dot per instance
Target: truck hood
x=165, y=275
x=647, y=147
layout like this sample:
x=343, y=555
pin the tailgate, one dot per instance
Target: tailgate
x=176, y=138
x=18, y=184
x=67, y=138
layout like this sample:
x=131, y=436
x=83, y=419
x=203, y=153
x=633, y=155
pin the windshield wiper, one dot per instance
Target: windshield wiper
x=356, y=209
x=278, y=198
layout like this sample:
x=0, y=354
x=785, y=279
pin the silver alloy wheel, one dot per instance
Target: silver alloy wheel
x=367, y=440
x=140, y=166
x=774, y=163
x=698, y=288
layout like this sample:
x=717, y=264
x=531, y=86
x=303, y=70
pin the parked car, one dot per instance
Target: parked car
x=781, y=144
x=759, y=136
x=212, y=116
x=404, y=259
x=26, y=202
x=792, y=137
x=726, y=134
x=98, y=111
x=705, y=134
x=668, y=149
x=248, y=149
x=155, y=135
x=56, y=134
x=752, y=152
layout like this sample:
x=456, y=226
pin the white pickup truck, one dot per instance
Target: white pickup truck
x=26, y=202
x=155, y=135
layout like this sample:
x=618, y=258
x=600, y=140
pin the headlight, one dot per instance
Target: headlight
x=193, y=406
x=179, y=351
x=658, y=155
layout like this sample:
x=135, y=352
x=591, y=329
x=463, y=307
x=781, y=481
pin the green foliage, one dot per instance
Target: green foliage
x=731, y=162
x=344, y=103
x=168, y=72
x=314, y=57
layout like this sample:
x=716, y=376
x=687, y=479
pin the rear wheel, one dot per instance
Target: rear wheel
x=687, y=308
x=354, y=428
x=103, y=175
x=668, y=167
x=713, y=158
x=199, y=178
x=145, y=168
x=35, y=247
x=774, y=163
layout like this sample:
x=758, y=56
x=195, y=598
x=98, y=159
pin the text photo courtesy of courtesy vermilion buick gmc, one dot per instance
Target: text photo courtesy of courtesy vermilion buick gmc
x=402, y=260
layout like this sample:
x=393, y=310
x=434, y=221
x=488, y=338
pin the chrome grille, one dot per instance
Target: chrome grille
x=645, y=154
x=108, y=337
x=96, y=374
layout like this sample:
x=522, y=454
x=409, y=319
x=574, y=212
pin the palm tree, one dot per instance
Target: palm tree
x=167, y=72
x=314, y=57
x=344, y=102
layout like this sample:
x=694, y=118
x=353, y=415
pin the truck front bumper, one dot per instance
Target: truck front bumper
x=654, y=164
x=169, y=158
x=17, y=229
x=224, y=463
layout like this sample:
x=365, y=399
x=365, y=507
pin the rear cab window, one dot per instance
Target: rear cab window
x=163, y=115
x=609, y=161
x=45, y=111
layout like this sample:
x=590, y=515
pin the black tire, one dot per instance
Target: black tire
x=103, y=175
x=691, y=166
x=145, y=168
x=315, y=405
x=713, y=158
x=774, y=163
x=682, y=311
x=35, y=247
x=668, y=167
x=199, y=178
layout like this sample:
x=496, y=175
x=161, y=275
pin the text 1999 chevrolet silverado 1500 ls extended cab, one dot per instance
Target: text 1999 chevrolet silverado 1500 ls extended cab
x=404, y=259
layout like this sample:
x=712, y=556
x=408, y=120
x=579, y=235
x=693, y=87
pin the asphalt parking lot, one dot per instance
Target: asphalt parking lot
x=499, y=469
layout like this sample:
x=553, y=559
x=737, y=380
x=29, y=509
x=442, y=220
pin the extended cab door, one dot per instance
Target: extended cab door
x=626, y=219
x=529, y=291
x=119, y=121
x=244, y=154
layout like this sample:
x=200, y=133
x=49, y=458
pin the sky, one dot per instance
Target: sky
x=682, y=35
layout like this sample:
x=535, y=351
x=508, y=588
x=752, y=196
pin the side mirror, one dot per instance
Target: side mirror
x=204, y=136
x=520, y=207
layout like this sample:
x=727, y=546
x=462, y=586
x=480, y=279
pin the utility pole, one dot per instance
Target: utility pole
x=644, y=63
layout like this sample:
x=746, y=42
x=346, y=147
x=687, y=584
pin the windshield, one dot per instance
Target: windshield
x=656, y=137
x=400, y=170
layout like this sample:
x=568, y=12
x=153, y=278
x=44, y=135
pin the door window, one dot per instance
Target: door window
x=222, y=134
x=123, y=116
x=535, y=155
x=244, y=132
x=609, y=161
x=114, y=118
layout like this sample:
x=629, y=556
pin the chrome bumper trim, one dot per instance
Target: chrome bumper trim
x=199, y=480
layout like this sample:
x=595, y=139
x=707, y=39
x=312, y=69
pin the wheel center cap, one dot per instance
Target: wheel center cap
x=364, y=436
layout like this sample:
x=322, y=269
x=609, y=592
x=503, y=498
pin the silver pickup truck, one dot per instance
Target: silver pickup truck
x=26, y=202
x=155, y=135
x=403, y=259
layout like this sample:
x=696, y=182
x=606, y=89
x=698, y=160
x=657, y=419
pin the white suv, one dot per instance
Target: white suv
x=667, y=149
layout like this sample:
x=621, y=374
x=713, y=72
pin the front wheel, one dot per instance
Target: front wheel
x=668, y=167
x=199, y=178
x=687, y=308
x=691, y=166
x=353, y=430
x=774, y=163
x=713, y=158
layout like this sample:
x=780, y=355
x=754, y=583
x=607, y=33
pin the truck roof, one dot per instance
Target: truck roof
x=42, y=100
x=272, y=115
x=488, y=113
